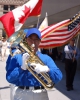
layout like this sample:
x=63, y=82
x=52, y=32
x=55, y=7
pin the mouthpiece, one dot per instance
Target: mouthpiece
x=33, y=45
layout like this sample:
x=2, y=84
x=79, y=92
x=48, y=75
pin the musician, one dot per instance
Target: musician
x=27, y=86
x=71, y=56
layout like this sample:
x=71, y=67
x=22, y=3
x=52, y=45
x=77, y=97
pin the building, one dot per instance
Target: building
x=57, y=11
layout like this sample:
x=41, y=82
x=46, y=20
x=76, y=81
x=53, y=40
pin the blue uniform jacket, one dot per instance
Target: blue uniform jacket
x=9, y=59
x=21, y=77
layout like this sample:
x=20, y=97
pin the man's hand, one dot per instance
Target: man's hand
x=40, y=68
x=74, y=52
x=74, y=59
x=25, y=57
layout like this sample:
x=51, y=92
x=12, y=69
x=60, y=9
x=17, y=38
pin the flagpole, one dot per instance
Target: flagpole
x=77, y=41
x=38, y=21
x=76, y=45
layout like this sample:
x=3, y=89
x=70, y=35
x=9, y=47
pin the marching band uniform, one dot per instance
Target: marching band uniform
x=27, y=86
x=70, y=64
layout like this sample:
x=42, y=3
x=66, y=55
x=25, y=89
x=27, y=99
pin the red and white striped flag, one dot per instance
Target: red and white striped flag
x=54, y=27
x=60, y=33
x=13, y=20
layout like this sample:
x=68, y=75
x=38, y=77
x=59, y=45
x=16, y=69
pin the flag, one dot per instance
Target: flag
x=44, y=23
x=37, y=9
x=61, y=34
x=13, y=20
x=59, y=37
x=54, y=27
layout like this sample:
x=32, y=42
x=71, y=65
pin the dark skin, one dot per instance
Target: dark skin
x=33, y=39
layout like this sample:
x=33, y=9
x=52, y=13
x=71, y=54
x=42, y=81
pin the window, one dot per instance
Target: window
x=12, y=7
x=3, y=33
x=5, y=8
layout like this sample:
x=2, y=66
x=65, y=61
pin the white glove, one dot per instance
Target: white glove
x=25, y=57
x=40, y=68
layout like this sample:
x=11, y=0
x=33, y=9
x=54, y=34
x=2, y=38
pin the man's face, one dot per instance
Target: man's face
x=33, y=39
x=72, y=42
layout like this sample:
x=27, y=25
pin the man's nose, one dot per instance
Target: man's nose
x=32, y=41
